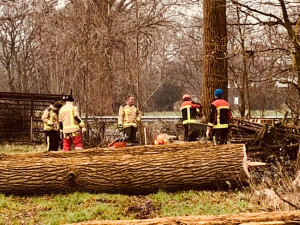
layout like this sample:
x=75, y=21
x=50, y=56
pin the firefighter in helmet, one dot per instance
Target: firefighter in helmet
x=219, y=119
x=71, y=125
x=190, y=111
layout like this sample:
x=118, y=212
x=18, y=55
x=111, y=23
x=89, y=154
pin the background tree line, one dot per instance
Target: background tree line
x=103, y=50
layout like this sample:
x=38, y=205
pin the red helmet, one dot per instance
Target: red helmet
x=186, y=97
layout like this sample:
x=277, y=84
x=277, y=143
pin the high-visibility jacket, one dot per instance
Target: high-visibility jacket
x=220, y=114
x=190, y=111
x=50, y=119
x=128, y=116
x=69, y=118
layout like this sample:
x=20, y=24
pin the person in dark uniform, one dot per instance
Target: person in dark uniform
x=190, y=112
x=219, y=119
x=51, y=125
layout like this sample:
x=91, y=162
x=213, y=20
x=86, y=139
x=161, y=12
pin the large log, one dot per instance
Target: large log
x=131, y=170
x=262, y=218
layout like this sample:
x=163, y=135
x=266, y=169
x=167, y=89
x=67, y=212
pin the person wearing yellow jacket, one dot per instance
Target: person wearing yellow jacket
x=51, y=126
x=71, y=125
x=129, y=116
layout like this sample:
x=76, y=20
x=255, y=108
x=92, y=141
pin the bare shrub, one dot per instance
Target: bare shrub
x=276, y=188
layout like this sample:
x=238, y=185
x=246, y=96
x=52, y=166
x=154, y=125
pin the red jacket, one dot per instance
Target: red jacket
x=220, y=114
x=190, y=110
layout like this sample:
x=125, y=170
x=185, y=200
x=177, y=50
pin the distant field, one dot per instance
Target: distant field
x=254, y=113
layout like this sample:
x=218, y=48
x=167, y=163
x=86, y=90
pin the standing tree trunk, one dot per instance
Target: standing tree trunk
x=132, y=170
x=215, y=63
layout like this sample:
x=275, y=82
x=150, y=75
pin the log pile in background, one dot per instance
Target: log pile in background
x=263, y=140
x=131, y=170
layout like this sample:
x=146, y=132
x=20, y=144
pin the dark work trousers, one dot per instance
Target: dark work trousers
x=52, y=140
x=191, y=131
x=220, y=136
x=130, y=133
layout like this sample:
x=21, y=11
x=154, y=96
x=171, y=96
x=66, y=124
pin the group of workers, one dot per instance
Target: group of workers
x=62, y=120
x=192, y=115
x=218, y=121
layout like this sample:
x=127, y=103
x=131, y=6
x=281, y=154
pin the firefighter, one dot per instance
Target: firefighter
x=51, y=126
x=219, y=118
x=190, y=111
x=71, y=125
x=129, y=116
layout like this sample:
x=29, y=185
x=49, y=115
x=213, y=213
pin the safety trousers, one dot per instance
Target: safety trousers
x=52, y=140
x=77, y=141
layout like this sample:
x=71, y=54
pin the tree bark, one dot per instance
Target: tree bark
x=215, y=63
x=263, y=218
x=135, y=170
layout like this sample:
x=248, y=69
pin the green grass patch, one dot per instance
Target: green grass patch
x=78, y=207
x=22, y=148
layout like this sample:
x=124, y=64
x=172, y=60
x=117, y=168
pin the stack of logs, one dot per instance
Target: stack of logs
x=263, y=140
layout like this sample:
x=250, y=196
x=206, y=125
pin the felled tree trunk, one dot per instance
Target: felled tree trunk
x=132, y=170
x=263, y=218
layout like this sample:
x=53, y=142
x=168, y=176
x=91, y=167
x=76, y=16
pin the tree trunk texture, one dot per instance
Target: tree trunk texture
x=131, y=170
x=215, y=62
x=263, y=218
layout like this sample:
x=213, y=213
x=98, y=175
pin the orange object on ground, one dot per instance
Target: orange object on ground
x=117, y=144
x=161, y=139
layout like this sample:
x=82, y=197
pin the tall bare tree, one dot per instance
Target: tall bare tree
x=215, y=62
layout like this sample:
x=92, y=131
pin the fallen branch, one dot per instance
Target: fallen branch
x=289, y=217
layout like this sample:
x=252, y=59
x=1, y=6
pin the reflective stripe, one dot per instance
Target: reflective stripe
x=189, y=121
x=221, y=126
x=51, y=123
x=129, y=124
x=214, y=140
x=185, y=107
x=210, y=124
x=48, y=143
x=72, y=126
x=46, y=127
x=218, y=114
x=72, y=120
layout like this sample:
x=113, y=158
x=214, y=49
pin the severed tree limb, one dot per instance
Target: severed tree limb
x=286, y=217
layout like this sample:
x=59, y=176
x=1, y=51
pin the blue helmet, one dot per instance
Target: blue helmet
x=218, y=93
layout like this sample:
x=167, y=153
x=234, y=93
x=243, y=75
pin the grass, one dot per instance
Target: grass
x=21, y=148
x=78, y=207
